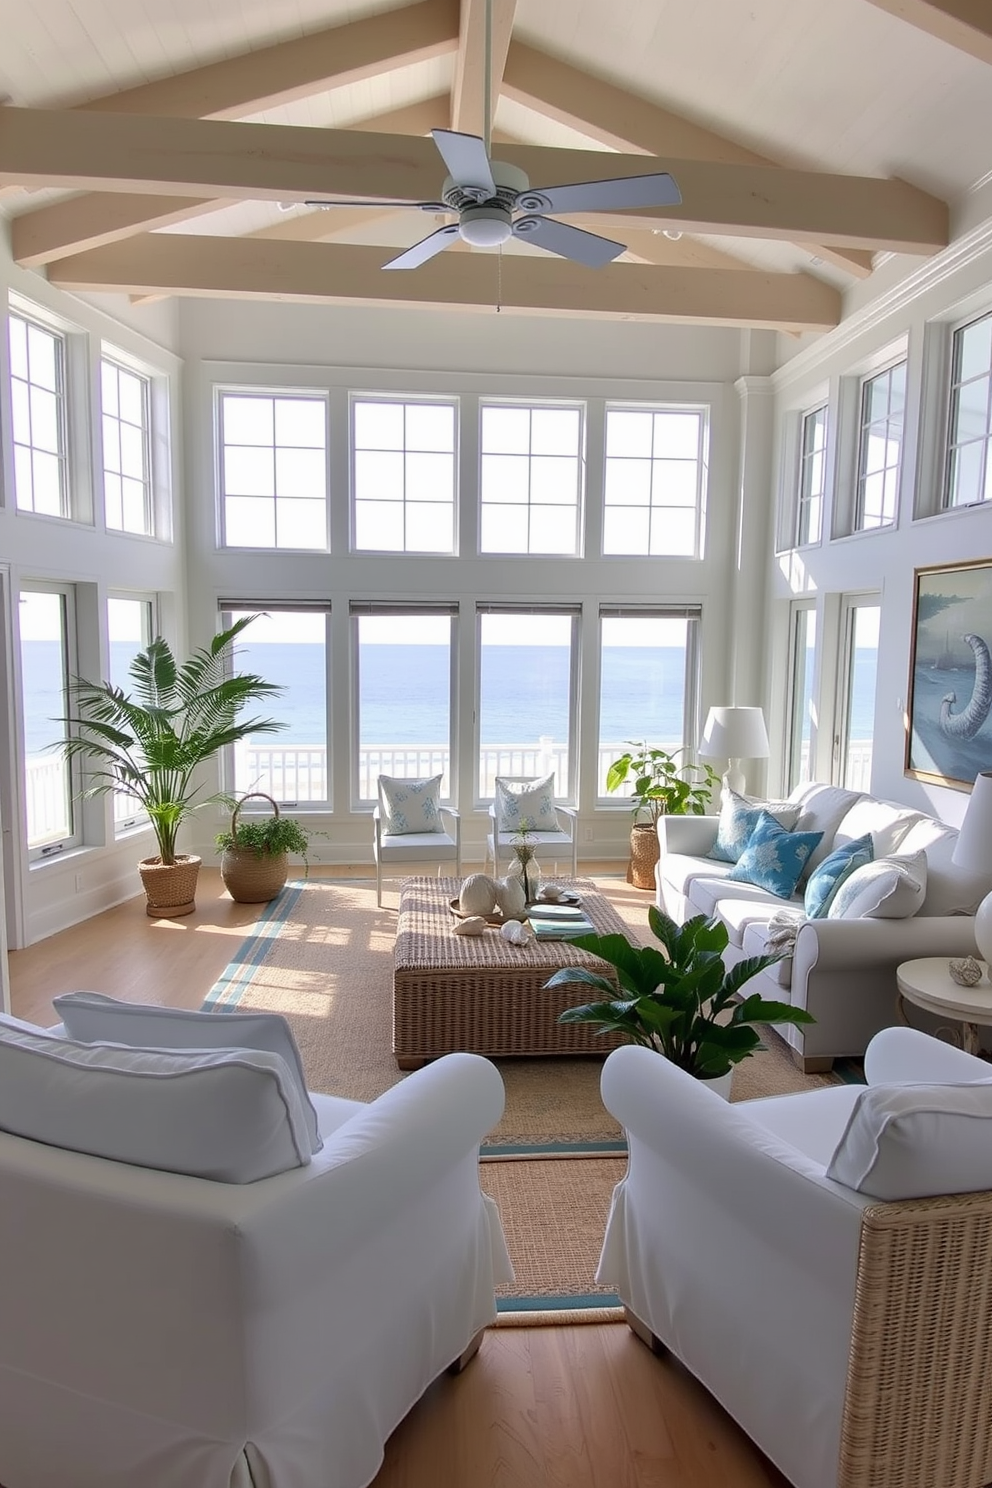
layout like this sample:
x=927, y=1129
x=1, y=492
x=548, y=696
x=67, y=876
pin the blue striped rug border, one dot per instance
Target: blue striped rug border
x=566, y=1302
x=230, y=986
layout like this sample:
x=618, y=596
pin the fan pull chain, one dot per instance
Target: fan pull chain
x=499, y=280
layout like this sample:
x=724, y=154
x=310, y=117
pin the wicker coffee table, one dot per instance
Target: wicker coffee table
x=481, y=994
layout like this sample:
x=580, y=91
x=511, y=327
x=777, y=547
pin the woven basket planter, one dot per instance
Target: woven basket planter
x=644, y=854
x=170, y=888
x=251, y=877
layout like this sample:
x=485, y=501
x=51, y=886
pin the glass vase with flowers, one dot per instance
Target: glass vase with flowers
x=524, y=863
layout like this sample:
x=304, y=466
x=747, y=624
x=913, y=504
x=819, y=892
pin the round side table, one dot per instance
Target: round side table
x=927, y=983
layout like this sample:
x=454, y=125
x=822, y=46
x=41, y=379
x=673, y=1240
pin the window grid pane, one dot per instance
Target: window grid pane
x=531, y=474
x=643, y=674
x=802, y=665
x=969, y=448
x=37, y=379
x=403, y=455
x=129, y=630
x=288, y=647
x=404, y=699
x=273, y=471
x=880, y=448
x=812, y=477
x=126, y=463
x=44, y=645
x=655, y=458
x=859, y=706
x=526, y=687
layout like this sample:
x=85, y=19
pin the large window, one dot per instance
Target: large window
x=403, y=468
x=273, y=470
x=37, y=395
x=526, y=694
x=129, y=630
x=883, y=402
x=802, y=665
x=286, y=645
x=126, y=465
x=404, y=687
x=969, y=453
x=647, y=674
x=654, y=481
x=812, y=477
x=46, y=642
x=531, y=466
x=857, y=675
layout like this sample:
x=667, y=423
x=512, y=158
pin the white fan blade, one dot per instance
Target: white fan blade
x=620, y=195
x=570, y=242
x=466, y=159
x=425, y=249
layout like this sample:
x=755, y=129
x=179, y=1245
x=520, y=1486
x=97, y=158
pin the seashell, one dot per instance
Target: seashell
x=966, y=971
x=471, y=925
x=517, y=932
x=478, y=895
x=510, y=897
x=550, y=893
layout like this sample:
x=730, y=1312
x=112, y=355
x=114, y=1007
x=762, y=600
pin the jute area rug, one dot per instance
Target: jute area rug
x=322, y=955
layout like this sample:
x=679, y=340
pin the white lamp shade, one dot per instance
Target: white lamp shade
x=734, y=733
x=974, y=846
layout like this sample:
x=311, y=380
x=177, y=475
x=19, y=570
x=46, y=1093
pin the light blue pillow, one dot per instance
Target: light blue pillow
x=774, y=858
x=738, y=819
x=828, y=876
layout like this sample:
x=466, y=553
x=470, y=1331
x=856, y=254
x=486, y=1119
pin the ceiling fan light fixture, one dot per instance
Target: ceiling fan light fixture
x=485, y=227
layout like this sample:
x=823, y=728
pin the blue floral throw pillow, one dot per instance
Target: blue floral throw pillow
x=828, y=876
x=410, y=805
x=774, y=858
x=738, y=819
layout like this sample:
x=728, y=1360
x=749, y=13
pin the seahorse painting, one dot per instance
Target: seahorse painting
x=965, y=725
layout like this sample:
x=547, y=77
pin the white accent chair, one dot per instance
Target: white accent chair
x=166, y=1330
x=849, y=1336
x=501, y=838
x=414, y=847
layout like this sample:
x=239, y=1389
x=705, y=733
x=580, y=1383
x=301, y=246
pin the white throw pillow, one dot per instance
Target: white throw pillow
x=92, y=1018
x=532, y=801
x=950, y=890
x=410, y=805
x=913, y=1141
x=887, y=825
x=230, y=1115
x=822, y=809
x=887, y=889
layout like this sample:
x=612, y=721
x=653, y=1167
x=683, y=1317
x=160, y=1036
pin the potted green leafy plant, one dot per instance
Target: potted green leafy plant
x=255, y=852
x=661, y=786
x=148, y=744
x=682, y=1002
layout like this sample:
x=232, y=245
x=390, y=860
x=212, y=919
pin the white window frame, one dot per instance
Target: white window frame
x=796, y=692
x=951, y=445
x=57, y=847
x=657, y=510
x=806, y=498
x=120, y=366
x=59, y=337
x=865, y=427
x=276, y=394
x=849, y=605
x=405, y=402
x=531, y=406
x=134, y=816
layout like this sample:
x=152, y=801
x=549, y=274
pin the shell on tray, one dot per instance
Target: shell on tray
x=549, y=892
x=517, y=932
x=510, y=897
x=966, y=971
x=471, y=925
x=478, y=895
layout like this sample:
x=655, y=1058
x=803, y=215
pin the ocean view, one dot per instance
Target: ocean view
x=404, y=692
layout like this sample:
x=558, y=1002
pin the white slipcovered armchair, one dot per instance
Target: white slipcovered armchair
x=166, y=1330
x=846, y=1329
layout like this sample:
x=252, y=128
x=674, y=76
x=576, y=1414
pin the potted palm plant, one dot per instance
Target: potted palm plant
x=255, y=852
x=683, y=1001
x=148, y=744
x=662, y=786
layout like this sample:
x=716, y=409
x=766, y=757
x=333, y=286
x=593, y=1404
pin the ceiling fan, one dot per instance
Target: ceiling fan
x=495, y=201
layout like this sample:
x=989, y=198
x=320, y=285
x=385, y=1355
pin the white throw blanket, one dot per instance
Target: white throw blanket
x=783, y=927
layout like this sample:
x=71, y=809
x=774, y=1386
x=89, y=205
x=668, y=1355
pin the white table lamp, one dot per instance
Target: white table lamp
x=974, y=853
x=734, y=734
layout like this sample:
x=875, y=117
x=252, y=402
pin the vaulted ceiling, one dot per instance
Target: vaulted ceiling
x=167, y=147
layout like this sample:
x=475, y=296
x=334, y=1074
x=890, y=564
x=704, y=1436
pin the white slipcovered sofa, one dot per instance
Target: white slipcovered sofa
x=842, y=970
x=792, y=1252
x=265, y=1324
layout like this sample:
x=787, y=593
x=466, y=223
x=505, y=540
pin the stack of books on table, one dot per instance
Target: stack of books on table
x=551, y=921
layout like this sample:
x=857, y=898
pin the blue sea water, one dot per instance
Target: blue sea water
x=404, y=692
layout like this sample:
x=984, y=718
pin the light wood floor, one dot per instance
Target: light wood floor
x=575, y=1407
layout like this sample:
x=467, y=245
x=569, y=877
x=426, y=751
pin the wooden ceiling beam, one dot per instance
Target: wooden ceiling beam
x=272, y=162
x=247, y=268
x=468, y=88
x=623, y=121
x=277, y=74
x=100, y=217
x=965, y=24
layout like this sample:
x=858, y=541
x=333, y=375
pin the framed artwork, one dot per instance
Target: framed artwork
x=949, y=737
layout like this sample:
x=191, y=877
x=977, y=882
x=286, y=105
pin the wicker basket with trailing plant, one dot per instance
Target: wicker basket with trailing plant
x=255, y=858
